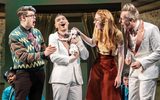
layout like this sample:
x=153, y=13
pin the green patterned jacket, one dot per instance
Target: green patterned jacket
x=24, y=55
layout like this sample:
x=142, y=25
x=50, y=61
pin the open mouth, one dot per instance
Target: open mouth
x=34, y=22
x=11, y=82
x=63, y=25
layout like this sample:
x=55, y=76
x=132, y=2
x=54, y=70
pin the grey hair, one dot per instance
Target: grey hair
x=133, y=13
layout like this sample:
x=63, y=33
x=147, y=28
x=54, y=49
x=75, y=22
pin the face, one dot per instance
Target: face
x=61, y=23
x=125, y=23
x=125, y=81
x=98, y=21
x=29, y=19
x=11, y=78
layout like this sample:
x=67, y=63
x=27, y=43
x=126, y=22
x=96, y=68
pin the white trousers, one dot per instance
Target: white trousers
x=67, y=92
x=142, y=89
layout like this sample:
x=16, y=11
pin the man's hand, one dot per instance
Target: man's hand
x=49, y=50
x=136, y=65
x=74, y=57
x=128, y=61
x=76, y=54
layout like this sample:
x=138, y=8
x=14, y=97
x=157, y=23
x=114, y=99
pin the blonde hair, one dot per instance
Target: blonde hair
x=107, y=35
x=133, y=12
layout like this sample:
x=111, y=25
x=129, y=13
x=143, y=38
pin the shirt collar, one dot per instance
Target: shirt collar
x=25, y=30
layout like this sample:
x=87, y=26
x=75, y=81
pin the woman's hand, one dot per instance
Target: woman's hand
x=117, y=81
x=78, y=31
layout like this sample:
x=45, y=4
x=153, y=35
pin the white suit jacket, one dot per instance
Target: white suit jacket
x=148, y=54
x=63, y=71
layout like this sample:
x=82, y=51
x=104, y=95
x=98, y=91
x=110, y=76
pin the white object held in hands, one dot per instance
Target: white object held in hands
x=73, y=48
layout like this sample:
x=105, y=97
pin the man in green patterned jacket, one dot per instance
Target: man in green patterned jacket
x=28, y=53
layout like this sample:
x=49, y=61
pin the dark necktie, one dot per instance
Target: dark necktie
x=33, y=41
x=132, y=32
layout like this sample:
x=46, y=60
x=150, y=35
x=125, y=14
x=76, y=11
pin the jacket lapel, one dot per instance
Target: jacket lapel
x=140, y=36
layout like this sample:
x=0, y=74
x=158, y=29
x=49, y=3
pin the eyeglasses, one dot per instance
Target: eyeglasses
x=34, y=15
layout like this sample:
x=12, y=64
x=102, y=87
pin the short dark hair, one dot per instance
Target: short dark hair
x=5, y=75
x=23, y=10
x=126, y=74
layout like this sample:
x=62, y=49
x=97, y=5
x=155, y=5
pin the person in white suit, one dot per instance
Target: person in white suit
x=143, y=42
x=66, y=76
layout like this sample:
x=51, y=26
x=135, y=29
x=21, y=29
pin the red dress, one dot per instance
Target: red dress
x=101, y=80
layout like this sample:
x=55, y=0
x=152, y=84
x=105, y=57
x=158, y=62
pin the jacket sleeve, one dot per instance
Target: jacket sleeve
x=154, y=40
x=84, y=54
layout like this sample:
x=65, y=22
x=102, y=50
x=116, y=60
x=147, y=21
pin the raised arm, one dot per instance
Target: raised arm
x=90, y=41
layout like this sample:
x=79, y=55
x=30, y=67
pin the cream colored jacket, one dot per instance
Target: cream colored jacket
x=63, y=70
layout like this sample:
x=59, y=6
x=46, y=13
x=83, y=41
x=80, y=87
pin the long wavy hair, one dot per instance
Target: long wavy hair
x=108, y=32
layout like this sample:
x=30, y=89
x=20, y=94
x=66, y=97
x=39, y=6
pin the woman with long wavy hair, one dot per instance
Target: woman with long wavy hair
x=105, y=76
